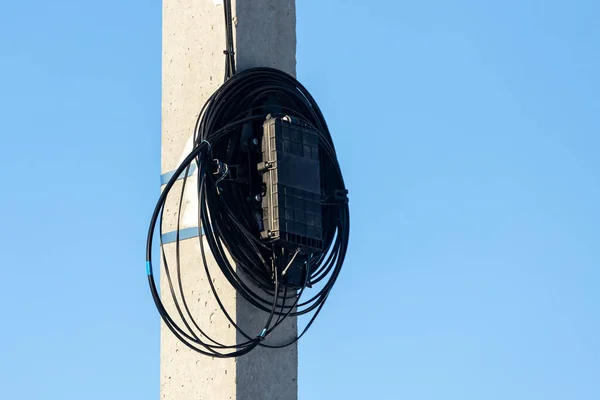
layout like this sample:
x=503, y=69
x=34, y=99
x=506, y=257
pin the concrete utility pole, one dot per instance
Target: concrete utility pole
x=193, y=68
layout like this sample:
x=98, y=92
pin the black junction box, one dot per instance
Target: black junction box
x=292, y=181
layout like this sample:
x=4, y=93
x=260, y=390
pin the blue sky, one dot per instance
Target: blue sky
x=469, y=136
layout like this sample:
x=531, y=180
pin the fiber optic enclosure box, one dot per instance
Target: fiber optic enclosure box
x=291, y=178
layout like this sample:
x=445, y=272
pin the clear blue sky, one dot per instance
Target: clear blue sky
x=469, y=134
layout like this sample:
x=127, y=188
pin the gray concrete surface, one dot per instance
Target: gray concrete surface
x=193, y=67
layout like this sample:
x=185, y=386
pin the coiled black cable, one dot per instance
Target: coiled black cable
x=229, y=223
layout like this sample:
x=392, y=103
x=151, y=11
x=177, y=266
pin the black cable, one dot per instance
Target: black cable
x=228, y=221
x=229, y=48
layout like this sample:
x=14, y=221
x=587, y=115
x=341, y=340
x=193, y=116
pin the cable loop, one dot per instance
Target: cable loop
x=257, y=269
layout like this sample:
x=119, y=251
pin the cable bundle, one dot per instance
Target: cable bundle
x=228, y=216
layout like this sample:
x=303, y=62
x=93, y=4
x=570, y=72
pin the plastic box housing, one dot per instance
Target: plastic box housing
x=291, y=177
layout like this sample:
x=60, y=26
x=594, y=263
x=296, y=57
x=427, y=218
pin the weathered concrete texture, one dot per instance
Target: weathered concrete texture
x=265, y=34
x=193, y=68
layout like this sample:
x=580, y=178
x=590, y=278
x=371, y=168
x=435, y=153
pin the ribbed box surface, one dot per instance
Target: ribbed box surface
x=292, y=204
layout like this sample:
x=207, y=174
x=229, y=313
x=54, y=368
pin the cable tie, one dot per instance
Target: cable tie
x=291, y=261
x=208, y=144
x=262, y=334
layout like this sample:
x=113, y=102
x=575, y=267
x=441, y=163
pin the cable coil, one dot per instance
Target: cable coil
x=250, y=264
